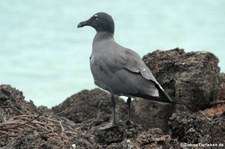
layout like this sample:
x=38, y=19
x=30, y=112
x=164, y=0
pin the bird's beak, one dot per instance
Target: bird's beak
x=84, y=23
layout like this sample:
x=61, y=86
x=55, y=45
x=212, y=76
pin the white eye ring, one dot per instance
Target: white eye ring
x=96, y=17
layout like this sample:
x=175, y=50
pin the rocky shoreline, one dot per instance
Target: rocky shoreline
x=193, y=79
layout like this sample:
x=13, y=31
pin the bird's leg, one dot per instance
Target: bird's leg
x=112, y=123
x=113, y=110
x=129, y=122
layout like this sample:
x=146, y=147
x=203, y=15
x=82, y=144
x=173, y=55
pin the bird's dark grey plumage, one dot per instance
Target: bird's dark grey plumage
x=117, y=69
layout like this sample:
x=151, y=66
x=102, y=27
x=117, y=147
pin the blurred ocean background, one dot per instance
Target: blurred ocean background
x=43, y=54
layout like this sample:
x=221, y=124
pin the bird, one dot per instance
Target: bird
x=119, y=70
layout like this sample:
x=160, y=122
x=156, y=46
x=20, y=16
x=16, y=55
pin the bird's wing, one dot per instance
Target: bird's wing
x=131, y=61
x=134, y=63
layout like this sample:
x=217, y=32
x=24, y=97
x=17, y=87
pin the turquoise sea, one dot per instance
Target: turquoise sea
x=43, y=53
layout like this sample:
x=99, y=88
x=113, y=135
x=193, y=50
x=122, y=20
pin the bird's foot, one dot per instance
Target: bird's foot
x=129, y=122
x=110, y=125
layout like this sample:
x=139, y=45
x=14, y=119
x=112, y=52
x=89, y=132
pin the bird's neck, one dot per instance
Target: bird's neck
x=103, y=36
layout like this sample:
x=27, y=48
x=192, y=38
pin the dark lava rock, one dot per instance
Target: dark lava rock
x=191, y=77
x=12, y=103
x=93, y=104
x=23, y=125
x=107, y=137
x=222, y=81
x=154, y=138
x=34, y=140
x=222, y=78
x=222, y=95
x=117, y=134
x=151, y=114
x=196, y=128
x=133, y=137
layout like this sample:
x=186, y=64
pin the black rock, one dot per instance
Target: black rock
x=191, y=78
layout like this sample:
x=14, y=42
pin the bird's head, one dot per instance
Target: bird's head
x=101, y=22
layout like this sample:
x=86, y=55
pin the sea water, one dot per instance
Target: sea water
x=43, y=53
